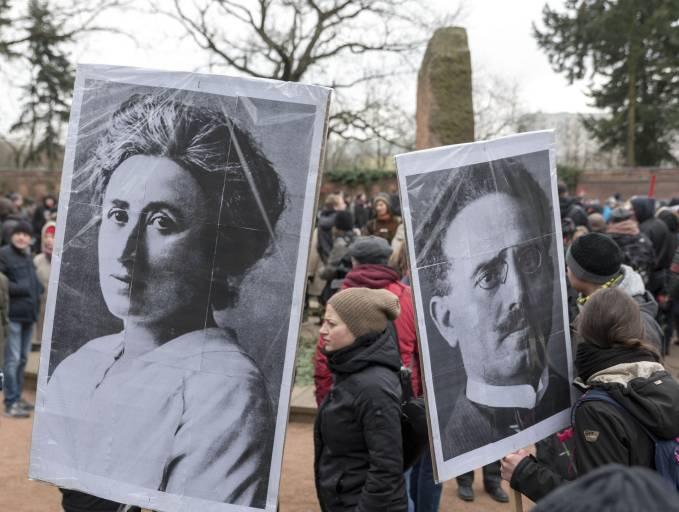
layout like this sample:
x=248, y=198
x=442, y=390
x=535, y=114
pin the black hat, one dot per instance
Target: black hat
x=370, y=249
x=344, y=221
x=22, y=227
x=613, y=488
x=594, y=258
x=620, y=214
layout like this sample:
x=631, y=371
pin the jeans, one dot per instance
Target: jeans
x=424, y=492
x=17, y=347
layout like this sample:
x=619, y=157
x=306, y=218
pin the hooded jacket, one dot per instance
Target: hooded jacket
x=24, y=287
x=605, y=434
x=633, y=284
x=358, y=464
x=571, y=209
x=378, y=277
x=637, y=249
x=655, y=229
x=326, y=220
x=673, y=288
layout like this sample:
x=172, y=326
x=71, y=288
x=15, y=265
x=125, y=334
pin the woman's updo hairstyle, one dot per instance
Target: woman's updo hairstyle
x=244, y=191
x=612, y=318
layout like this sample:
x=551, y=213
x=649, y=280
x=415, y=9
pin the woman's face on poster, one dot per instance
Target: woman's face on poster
x=156, y=242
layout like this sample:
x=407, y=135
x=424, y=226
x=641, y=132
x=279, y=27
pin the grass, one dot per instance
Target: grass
x=304, y=363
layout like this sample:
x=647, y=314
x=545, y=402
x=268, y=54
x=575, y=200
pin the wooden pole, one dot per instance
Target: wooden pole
x=515, y=501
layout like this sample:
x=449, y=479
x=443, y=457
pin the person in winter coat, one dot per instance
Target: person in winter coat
x=339, y=261
x=369, y=256
x=637, y=248
x=326, y=220
x=613, y=488
x=660, y=236
x=358, y=464
x=594, y=261
x=43, y=266
x=385, y=222
x=673, y=293
x=571, y=209
x=361, y=211
x=76, y=501
x=24, y=294
x=613, y=355
x=46, y=211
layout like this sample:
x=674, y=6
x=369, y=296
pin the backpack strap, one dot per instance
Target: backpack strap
x=603, y=396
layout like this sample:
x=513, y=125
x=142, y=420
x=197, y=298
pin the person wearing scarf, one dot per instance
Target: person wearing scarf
x=358, y=464
x=385, y=222
x=612, y=355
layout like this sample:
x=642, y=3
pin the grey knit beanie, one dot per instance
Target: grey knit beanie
x=365, y=310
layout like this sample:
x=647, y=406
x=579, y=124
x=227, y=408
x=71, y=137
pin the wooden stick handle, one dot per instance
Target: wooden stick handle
x=515, y=501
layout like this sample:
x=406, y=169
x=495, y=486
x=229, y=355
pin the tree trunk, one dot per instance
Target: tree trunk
x=630, y=156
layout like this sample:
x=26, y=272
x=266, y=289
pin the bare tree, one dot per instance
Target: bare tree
x=343, y=44
x=497, y=106
x=37, y=37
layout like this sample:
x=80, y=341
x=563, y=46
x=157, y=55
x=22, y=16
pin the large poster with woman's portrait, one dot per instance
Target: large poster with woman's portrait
x=177, y=288
x=486, y=252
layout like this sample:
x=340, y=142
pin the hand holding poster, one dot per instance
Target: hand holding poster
x=168, y=351
x=486, y=255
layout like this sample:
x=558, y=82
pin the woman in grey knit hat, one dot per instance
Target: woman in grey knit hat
x=357, y=436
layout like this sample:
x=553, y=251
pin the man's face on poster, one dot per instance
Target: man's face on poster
x=498, y=300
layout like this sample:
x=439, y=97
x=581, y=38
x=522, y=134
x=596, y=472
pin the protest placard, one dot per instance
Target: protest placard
x=486, y=253
x=187, y=204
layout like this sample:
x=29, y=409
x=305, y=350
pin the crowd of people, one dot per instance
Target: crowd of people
x=27, y=241
x=622, y=274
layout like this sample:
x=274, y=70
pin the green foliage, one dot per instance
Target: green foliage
x=569, y=175
x=304, y=364
x=630, y=51
x=47, y=94
x=356, y=176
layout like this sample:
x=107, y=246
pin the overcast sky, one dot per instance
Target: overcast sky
x=499, y=32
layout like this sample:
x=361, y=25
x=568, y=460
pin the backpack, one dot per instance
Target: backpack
x=666, y=451
x=638, y=253
x=414, y=426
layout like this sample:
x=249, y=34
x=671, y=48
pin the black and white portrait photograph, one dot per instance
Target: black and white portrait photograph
x=177, y=288
x=486, y=254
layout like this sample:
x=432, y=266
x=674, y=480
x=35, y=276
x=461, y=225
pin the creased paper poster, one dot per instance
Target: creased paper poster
x=177, y=288
x=484, y=236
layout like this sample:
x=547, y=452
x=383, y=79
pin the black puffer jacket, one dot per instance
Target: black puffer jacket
x=571, y=209
x=359, y=461
x=656, y=230
x=604, y=434
x=24, y=287
x=673, y=288
x=326, y=220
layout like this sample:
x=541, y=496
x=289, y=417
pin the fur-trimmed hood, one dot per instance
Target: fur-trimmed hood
x=647, y=391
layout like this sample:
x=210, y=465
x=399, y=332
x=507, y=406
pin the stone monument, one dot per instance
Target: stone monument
x=445, y=113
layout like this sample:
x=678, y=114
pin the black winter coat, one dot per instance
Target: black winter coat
x=571, y=209
x=326, y=220
x=673, y=288
x=604, y=434
x=656, y=230
x=24, y=287
x=359, y=458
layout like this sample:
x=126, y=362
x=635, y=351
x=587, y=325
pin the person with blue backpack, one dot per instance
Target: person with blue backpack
x=629, y=411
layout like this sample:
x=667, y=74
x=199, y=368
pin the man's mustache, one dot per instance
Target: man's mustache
x=514, y=321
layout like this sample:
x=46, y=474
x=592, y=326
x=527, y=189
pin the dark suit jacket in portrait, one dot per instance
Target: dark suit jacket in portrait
x=471, y=425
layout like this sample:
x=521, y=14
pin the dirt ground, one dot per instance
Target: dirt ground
x=18, y=494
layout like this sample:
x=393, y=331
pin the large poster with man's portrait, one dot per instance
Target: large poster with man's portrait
x=177, y=288
x=486, y=255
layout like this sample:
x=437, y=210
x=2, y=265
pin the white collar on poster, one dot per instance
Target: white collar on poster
x=522, y=396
